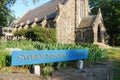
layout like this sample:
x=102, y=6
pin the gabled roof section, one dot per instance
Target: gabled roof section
x=87, y=21
x=48, y=9
x=99, y=17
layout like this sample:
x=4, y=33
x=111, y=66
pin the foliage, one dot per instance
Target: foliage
x=20, y=33
x=5, y=10
x=5, y=59
x=117, y=40
x=95, y=54
x=2, y=60
x=47, y=70
x=111, y=14
x=45, y=35
x=10, y=20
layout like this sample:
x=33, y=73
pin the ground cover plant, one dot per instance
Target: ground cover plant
x=95, y=54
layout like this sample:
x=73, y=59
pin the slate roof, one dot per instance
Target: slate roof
x=87, y=21
x=49, y=9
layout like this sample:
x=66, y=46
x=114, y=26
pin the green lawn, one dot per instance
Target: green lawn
x=114, y=55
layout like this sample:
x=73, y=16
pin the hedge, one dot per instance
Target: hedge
x=45, y=35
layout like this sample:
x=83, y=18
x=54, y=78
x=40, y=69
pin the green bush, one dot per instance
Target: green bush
x=45, y=35
x=2, y=60
x=5, y=59
x=20, y=33
x=47, y=70
x=95, y=54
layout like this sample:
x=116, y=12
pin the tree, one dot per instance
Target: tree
x=10, y=20
x=6, y=16
x=5, y=10
x=111, y=14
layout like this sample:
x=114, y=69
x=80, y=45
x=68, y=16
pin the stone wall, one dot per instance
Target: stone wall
x=84, y=35
x=89, y=35
x=95, y=72
x=65, y=22
x=101, y=71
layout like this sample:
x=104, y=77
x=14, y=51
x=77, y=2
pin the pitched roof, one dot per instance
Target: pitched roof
x=48, y=9
x=87, y=21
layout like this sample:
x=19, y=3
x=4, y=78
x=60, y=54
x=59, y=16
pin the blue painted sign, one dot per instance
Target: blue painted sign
x=46, y=56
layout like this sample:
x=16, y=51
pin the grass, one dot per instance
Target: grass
x=114, y=55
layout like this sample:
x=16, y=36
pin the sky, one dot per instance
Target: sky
x=22, y=6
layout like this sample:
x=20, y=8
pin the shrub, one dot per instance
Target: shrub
x=47, y=70
x=20, y=33
x=45, y=35
x=2, y=60
x=95, y=53
x=31, y=34
x=5, y=59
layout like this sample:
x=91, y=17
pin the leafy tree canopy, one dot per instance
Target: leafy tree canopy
x=5, y=10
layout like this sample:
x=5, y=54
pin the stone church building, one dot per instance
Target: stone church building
x=71, y=18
